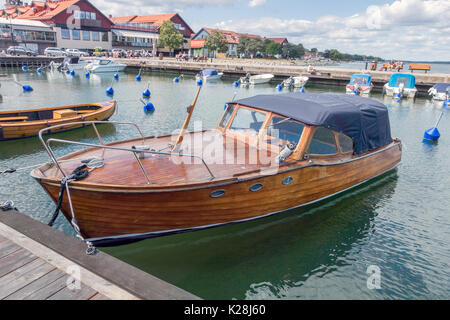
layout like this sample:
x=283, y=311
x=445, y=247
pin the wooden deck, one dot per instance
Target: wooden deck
x=41, y=263
x=24, y=276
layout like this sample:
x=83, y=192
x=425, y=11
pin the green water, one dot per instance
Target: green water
x=399, y=223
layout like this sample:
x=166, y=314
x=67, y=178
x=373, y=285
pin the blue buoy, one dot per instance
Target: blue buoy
x=433, y=133
x=72, y=73
x=176, y=79
x=226, y=106
x=446, y=103
x=279, y=87
x=116, y=76
x=236, y=84
x=39, y=70
x=138, y=77
x=67, y=71
x=149, y=107
x=302, y=90
x=146, y=93
x=199, y=82
x=25, y=68
x=27, y=88
x=397, y=96
x=110, y=91
x=87, y=75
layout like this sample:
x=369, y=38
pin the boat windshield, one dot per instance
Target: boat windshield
x=247, y=121
x=360, y=80
x=104, y=62
x=282, y=131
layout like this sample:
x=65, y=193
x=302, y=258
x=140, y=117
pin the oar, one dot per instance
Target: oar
x=176, y=146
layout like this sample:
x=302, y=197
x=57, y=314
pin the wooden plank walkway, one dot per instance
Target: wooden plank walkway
x=41, y=263
x=24, y=276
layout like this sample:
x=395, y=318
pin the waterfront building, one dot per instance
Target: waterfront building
x=77, y=23
x=142, y=32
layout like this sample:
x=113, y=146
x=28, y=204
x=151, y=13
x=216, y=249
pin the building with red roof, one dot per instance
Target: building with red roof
x=78, y=24
x=281, y=41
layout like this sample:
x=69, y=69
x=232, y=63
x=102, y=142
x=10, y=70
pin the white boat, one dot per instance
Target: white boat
x=209, y=75
x=75, y=63
x=359, y=84
x=440, y=91
x=295, y=82
x=401, y=85
x=256, y=79
x=105, y=65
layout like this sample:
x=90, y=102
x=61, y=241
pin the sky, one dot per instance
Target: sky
x=402, y=29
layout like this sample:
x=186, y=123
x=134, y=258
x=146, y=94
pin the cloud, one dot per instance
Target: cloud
x=256, y=3
x=406, y=29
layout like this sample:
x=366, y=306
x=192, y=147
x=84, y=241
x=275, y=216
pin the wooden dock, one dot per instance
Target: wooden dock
x=41, y=263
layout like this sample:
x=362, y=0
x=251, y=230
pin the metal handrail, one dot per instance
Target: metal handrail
x=50, y=152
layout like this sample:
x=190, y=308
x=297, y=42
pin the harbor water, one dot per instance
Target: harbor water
x=397, y=226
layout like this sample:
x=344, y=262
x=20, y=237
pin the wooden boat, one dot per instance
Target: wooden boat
x=270, y=153
x=28, y=123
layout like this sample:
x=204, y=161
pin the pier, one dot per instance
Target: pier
x=20, y=61
x=40, y=263
x=235, y=69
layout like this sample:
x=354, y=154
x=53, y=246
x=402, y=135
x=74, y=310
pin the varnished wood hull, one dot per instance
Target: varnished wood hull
x=24, y=129
x=110, y=212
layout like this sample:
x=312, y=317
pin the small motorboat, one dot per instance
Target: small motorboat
x=105, y=65
x=256, y=79
x=440, y=91
x=401, y=85
x=209, y=75
x=359, y=84
x=74, y=63
x=27, y=123
x=268, y=153
x=295, y=82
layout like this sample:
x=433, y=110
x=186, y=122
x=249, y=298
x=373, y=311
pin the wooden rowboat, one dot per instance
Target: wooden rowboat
x=268, y=154
x=28, y=123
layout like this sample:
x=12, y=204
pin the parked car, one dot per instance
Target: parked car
x=76, y=53
x=55, y=52
x=19, y=50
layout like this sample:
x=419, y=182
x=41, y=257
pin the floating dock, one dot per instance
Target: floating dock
x=38, y=262
x=20, y=61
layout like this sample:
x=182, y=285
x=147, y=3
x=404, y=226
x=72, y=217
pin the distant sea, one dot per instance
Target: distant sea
x=436, y=67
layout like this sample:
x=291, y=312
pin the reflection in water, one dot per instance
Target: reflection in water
x=268, y=258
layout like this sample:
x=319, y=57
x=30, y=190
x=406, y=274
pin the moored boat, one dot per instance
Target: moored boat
x=105, y=65
x=360, y=84
x=295, y=82
x=401, y=85
x=75, y=63
x=27, y=123
x=256, y=79
x=440, y=91
x=268, y=153
x=209, y=75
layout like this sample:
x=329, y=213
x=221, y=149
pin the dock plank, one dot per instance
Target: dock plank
x=84, y=293
x=21, y=277
x=49, y=290
x=99, y=296
x=7, y=247
x=15, y=260
x=42, y=282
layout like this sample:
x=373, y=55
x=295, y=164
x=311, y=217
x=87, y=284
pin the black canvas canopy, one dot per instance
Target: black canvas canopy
x=365, y=120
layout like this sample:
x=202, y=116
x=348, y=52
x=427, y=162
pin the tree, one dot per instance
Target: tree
x=243, y=45
x=293, y=51
x=169, y=36
x=271, y=48
x=217, y=42
x=314, y=50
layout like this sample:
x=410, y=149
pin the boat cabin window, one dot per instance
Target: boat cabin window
x=323, y=142
x=346, y=143
x=282, y=131
x=247, y=121
x=104, y=62
x=227, y=116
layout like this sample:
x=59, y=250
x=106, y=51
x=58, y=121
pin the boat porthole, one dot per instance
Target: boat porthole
x=287, y=180
x=217, y=193
x=256, y=187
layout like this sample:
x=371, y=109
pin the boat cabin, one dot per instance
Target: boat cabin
x=312, y=126
x=208, y=72
x=408, y=80
x=363, y=80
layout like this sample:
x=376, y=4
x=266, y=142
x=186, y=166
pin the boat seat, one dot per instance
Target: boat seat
x=14, y=118
x=85, y=111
